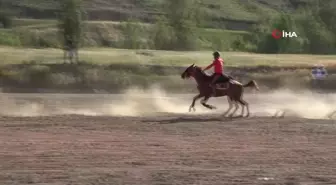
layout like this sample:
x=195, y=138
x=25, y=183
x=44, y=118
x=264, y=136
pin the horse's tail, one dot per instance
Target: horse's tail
x=252, y=84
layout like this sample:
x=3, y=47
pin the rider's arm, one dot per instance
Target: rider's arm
x=208, y=67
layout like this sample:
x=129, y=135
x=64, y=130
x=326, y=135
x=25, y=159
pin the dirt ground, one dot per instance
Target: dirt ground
x=166, y=149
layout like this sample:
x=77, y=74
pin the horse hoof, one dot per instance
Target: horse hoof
x=192, y=109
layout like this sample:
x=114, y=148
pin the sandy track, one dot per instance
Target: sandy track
x=166, y=149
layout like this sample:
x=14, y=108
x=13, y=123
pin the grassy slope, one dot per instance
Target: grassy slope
x=237, y=11
x=234, y=9
x=98, y=33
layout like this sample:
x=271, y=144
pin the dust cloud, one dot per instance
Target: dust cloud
x=305, y=104
x=140, y=102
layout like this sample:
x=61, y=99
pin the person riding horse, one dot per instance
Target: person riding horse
x=234, y=92
x=218, y=64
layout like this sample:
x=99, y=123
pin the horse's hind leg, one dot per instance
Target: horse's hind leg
x=230, y=106
x=236, y=108
x=204, y=103
x=245, y=104
x=243, y=107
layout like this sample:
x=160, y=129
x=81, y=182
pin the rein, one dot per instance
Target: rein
x=199, y=76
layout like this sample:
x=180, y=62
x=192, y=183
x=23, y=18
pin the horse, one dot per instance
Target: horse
x=234, y=91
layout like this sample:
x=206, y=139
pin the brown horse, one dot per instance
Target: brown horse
x=234, y=91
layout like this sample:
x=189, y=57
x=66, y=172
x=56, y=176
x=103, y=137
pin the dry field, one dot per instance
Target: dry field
x=165, y=148
x=170, y=149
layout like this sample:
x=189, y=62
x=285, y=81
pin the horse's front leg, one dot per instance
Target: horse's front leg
x=192, y=106
x=204, y=103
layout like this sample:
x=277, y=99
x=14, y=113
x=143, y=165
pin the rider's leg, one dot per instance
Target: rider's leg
x=226, y=82
x=213, y=83
x=215, y=78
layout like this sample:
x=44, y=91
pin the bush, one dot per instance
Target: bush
x=179, y=31
x=37, y=76
x=319, y=39
x=163, y=37
x=10, y=39
x=133, y=35
x=313, y=24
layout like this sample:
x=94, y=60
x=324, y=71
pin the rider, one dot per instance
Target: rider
x=217, y=63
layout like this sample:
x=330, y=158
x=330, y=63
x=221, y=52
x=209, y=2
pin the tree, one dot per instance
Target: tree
x=133, y=30
x=5, y=19
x=183, y=18
x=71, y=27
x=179, y=25
x=5, y=16
x=264, y=41
x=316, y=20
x=163, y=35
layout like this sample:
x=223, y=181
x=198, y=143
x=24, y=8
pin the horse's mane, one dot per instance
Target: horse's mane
x=201, y=71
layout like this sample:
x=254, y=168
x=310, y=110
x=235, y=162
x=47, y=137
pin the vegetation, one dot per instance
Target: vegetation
x=148, y=25
x=112, y=70
x=71, y=26
x=5, y=19
x=5, y=16
x=312, y=22
x=70, y=23
x=221, y=11
x=188, y=27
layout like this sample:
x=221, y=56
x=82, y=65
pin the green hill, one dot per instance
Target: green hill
x=230, y=14
x=225, y=25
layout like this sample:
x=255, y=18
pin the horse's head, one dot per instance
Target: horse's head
x=188, y=72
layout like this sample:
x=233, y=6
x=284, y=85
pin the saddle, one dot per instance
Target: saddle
x=223, y=79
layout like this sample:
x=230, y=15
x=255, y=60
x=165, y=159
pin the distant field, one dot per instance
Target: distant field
x=11, y=55
x=114, y=70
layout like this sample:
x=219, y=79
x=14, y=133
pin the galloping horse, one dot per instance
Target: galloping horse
x=234, y=91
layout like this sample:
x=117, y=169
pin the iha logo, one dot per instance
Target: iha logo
x=277, y=34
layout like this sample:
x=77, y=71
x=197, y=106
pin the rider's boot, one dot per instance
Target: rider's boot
x=213, y=87
x=214, y=90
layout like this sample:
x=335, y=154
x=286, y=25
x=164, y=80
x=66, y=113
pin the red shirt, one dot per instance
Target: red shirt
x=218, y=64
